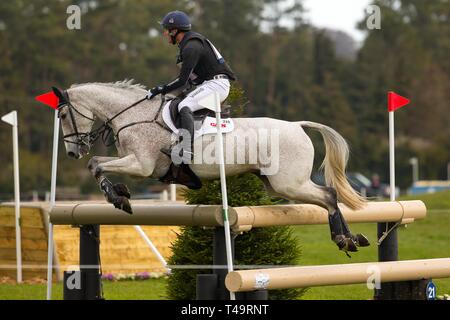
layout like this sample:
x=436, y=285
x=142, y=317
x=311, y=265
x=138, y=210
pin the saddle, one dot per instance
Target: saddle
x=183, y=174
x=199, y=116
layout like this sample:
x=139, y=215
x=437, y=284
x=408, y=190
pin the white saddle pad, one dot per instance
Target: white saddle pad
x=209, y=125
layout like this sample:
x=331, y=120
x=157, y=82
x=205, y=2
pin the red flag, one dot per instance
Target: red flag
x=49, y=99
x=396, y=101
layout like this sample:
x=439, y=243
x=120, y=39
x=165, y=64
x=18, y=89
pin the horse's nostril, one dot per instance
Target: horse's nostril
x=71, y=154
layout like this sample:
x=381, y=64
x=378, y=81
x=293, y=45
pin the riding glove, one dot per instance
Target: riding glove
x=155, y=91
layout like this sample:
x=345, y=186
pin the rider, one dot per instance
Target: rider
x=202, y=66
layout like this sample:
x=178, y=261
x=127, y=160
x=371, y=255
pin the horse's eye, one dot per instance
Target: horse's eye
x=63, y=116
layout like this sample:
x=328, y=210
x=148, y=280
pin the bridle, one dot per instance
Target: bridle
x=82, y=138
x=104, y=130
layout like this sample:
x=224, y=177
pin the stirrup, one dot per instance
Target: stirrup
x=185, y=154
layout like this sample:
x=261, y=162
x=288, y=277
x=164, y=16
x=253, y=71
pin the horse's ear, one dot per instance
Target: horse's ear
x=59, y=94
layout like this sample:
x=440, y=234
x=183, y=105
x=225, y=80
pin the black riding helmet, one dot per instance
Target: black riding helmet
x=176, y=20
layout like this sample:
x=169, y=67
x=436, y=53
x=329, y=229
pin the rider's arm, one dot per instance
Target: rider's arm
x=191, y=55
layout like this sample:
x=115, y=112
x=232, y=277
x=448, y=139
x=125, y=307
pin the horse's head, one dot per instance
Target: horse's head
x=76, y=122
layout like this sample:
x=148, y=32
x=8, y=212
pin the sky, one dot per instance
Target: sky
x=337, y=14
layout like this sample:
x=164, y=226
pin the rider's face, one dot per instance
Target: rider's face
x=166, y=34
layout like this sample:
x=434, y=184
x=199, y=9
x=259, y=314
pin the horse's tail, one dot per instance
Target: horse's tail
x=335, y=162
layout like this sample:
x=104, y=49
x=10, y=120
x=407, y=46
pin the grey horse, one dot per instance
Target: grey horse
x=139, y=127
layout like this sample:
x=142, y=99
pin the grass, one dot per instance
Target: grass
x=153, y=289
x=429, y=238
x=433, y=201
x=425, y=239
x=421, y=240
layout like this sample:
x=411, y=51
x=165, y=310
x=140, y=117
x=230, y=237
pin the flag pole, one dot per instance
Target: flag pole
x=212, y=102
x=395, y=102
x=52, y=204
x=387, y=232
x=391, y=155
x=11, y=118
x=17, y=198
x=223, y=185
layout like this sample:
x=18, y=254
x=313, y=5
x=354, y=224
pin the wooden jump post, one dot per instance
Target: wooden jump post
x=90, y=215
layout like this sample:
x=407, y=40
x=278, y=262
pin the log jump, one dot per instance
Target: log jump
x=339, y=274
x=241, y=218
x=252, y=284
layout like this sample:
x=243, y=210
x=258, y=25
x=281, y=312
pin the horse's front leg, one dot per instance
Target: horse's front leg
x=117, y=194
x=120, y=188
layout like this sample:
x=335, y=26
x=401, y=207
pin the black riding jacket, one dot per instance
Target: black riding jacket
x=199, y=62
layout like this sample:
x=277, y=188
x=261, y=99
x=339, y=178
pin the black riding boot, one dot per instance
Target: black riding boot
x=185, y=147
x=187, y=123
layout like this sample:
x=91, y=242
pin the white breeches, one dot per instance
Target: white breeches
x=221, y=86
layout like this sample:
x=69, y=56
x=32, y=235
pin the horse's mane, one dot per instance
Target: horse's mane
x=124, y=84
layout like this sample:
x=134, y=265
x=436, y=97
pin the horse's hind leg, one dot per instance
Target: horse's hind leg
x=325, y=197
x=360, y=239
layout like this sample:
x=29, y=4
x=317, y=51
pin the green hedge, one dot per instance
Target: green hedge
x=260, y=246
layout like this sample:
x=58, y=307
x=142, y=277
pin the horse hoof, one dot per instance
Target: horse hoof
x=122, y=190
x=350, y=245
x=345, y=244
x=362, y=241
x=123, y=204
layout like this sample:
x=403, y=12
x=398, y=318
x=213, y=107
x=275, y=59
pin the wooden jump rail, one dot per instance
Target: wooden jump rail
x=339, y=274
x=241, y=218
x=253, y=284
